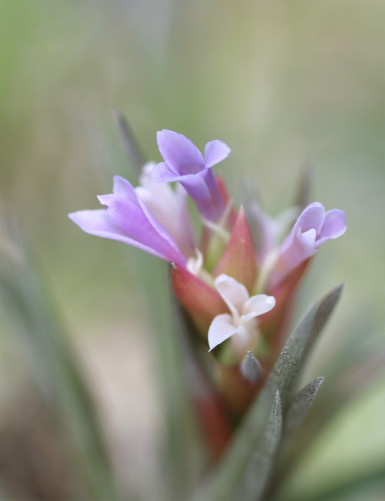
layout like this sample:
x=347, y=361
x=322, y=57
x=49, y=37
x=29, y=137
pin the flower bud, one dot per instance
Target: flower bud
x=239, y=260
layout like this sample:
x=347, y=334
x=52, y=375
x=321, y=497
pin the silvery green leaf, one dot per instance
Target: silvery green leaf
x=299, y=344
x=262, y=461
x=129, y=143
x=299, y=405
x=352, y=379
x=223, y=484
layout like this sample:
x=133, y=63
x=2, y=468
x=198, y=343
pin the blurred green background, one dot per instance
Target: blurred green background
x=284, y=83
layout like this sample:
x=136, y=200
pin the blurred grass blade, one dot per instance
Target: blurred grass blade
x=178, y=457
x=299, y=405
x=52, y=365
x=129, y=143
x=262, y=461
x=223, y=484
x=368, y=485
x=302, y=198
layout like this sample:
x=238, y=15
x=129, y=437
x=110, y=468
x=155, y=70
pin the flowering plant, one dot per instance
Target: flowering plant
x=235, y=283
x=238, y=418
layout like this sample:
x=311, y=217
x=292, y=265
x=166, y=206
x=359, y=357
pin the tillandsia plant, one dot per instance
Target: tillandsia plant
x=235, y=283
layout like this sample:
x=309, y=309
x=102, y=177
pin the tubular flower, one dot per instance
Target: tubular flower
x=241, y=321
x=313, y=227
x=183, y=162
x=169, y=208
x=127, y=219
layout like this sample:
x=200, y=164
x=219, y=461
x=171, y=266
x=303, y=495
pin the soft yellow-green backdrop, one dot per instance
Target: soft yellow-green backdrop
x=282, y=82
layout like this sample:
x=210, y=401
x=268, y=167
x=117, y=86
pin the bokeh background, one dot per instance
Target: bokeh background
x=284, y=83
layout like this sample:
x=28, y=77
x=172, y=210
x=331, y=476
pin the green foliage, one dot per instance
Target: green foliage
x=53, y=367
x=223, y=484
x=262, y=461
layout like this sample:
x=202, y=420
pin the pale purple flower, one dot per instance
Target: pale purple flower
x=183, y=162
x=169, y=208
x=313, y=227
x=241, y=321
x=127, y=219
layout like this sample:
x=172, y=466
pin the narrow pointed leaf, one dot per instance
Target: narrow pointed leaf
x=129, y=143
x=352, y=378
x=302, y=198
x=251, y=368
x=262, y=461
x=222, y=485
x=300, y=342
x=299, y=405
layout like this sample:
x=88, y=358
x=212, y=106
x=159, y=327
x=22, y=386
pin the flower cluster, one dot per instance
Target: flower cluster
x=236, y=290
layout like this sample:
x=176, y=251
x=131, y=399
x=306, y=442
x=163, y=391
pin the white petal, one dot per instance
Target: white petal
x=233, y=293
x=221, y=328
x=257, y=305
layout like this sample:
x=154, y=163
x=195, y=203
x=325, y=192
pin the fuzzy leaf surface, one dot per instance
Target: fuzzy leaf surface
x=226, y=480
x=262, y=461
x=299, y=405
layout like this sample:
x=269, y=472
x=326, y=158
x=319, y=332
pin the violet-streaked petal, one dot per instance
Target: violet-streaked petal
x=197, y=188
x=123, y=188
x=158, y=228
x=257, y=305
x=312, y=228
x=203, y=189
x=181, y=154
x=106, y=200
x=183, y=162
x=169, y=208
x=233, y=293
x=162, y=173
x=221, y=328
x=140, y=225
x=98, y=223
x=305, y=242
x=195, y=185
x=302, y=247
x=215, y=152
x=183, y=227
x=333, y=227
x=95, y=222
x=311, y=217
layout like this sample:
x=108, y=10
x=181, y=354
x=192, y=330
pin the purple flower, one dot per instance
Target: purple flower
x=127, y=219
x=169, y=208
x=313, y=227
x=183, y=162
